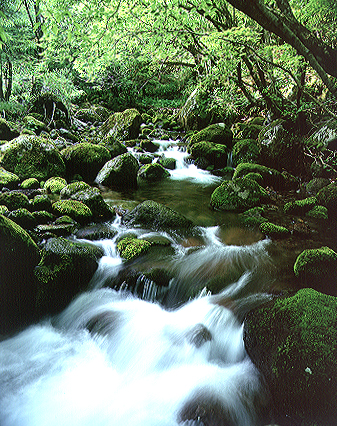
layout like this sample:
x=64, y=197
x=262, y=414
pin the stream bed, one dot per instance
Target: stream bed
x=149, y=355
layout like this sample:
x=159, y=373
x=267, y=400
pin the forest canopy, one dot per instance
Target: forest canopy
x=279, y=55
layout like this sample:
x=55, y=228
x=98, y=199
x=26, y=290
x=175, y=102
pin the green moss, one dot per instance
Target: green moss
x=33, y=157
x=271, y=177
x=41, y=202
x=14, y=200
x=75, y=209
x=31, y=183
x=73, y=188
x=299, y=356
x=318, y=262
x=245, y=151
x=8, y=179
x=153, y=172
x=168, y=163
x=327, y=197
x=54, y=185
x=23, y=218
x=238, y=195
x=216, y=133
x=216, y=154
x=31, y=123
x=156, y=216
x=253, y=217
x=274, y=231
x=43, y=217
x=300, y=207
x=4, y=210
x=130, y=248
x=318, y=212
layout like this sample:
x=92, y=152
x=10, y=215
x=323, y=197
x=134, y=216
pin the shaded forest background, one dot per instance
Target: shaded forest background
x=243, y=57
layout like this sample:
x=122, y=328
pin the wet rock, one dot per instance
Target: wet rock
x=8, y=179
x=32, y=156
x=114, y=147
x=317, y=268
x=214, y=154
x=217, y=133
x=271, y=177
x=119, y=173
x=23, y=218
x=73, y=208
x=156, y=216
x=198, y=335
x=96, y=232
x=315, y=185
x=153, y=172
x=122, y=125
x=245, y=151
x=85, y=159
x=66, y=268
x=149, y=146
x=14, y=200
x=274, y=231
x=131, y=248
x=19, y=257
x=298, y=358
x=206, y=410
x=6, y=133
x=238, y=195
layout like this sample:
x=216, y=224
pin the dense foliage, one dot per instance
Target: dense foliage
x=279, y=56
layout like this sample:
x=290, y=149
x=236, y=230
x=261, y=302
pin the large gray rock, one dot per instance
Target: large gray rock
x=119, y=173
x=31, y=156
x=122, y=125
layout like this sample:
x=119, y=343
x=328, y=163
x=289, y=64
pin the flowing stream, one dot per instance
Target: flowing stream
x=150, y=355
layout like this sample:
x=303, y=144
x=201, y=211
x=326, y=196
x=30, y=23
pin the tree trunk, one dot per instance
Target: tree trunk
x=321, y=57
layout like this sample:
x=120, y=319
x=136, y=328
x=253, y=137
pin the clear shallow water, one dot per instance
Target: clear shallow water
x=114, y=359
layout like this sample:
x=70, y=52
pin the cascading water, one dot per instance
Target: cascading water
x=113, y=358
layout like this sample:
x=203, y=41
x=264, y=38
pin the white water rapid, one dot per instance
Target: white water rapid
x=115, y=359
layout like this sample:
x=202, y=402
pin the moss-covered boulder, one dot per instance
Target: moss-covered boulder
x=35, y=125
x=317, y=268
x=217, y=133
x=91, y=197
x=327, y=197
x=238, y=195
x=253, y=217
x=149, y=146
x=131, y=248
x=156, y=216
x=19, y=256
x=31, y=156
x=281, y=148
x=271, y=177
x=122, y=125
x=168, y=162
x=30, y=183
x=191, y=116
x=250, y=130
x=66, y=268
x=75, y=209
x=42, y=217
x=23, y=217
x=14, y=200
x=153, y=172
x=8, y=180
x=292, y=341
x=54, y=185
x=245, y=151
x=119, y=173
x=215, y=154
x=41, y=202
x=113, y=146
x=300, y=207
x=85, y=159
x=274, y=231
x=6, y=133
